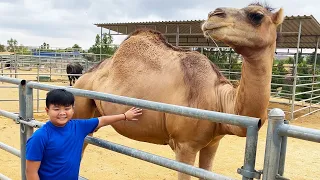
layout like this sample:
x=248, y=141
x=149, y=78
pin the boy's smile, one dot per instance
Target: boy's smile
x=60, y=115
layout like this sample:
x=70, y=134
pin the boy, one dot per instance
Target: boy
x=54, y=150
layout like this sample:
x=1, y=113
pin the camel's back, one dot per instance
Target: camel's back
x=146, y=63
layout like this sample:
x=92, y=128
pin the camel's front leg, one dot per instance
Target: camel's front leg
x=207, y=154
x=186, y=155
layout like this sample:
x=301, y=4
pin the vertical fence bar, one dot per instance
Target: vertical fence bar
x=283, y=153
x=177, y=36
x=230, y=63
x=16, y=66
x=11, y=64
x=273, y=144
x=248, y=171
x=22, y=113
x=2, y=67
x=295, y=72
x=314, y=71
x=25, y=130
x=100, y=44
x=50, y=64
x=38, y=76
x=87, y=65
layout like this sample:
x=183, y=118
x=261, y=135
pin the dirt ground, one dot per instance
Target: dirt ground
x=302, y=160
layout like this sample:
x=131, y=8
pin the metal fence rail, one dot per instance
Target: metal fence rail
x=252, y=124
x=27, y=122
x=275, y=151
x=185, y=168
x=276, y=144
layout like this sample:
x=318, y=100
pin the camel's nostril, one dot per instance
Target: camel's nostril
x=218, y=12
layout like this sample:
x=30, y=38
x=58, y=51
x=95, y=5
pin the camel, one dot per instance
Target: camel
x=146, y=67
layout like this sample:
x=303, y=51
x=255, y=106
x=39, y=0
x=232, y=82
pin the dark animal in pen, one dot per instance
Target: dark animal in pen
x=76, y=69
x=7, y=64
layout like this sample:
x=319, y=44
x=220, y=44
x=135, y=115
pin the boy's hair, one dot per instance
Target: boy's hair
x=60, y=97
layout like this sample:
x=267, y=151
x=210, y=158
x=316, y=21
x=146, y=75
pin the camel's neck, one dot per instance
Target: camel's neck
x=253, y=93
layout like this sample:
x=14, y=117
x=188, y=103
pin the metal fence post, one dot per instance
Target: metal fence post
x=273, y=144
x=25, y=130
x=283, y=152
x=16, y=66
x=248, y=171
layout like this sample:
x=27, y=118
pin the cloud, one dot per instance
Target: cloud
x=63, y=23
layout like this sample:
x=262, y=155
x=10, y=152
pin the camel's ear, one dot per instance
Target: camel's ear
x=277, y=17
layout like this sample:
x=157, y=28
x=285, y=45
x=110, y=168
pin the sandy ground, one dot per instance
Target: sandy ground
x=302, y=160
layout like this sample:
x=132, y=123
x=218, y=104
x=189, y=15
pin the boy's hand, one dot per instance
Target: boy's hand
x=132, y=113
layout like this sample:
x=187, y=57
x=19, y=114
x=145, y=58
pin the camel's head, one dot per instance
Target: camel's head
x=251, y=27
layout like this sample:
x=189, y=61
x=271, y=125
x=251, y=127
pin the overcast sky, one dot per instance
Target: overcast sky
x=62, y=23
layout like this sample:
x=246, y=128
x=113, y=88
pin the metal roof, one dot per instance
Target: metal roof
x=190, y=33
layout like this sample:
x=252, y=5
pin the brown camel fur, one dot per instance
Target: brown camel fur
x=146, y=67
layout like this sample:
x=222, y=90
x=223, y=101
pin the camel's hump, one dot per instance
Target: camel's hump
x=158, y=36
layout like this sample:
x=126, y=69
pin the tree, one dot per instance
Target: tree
x=226, y=60
x=2, y=48
x=44, y=46
x=22, y=50
x=12, y=45
x=293, y=60
x=106, y=49
x=311, y=58
x=77, y=48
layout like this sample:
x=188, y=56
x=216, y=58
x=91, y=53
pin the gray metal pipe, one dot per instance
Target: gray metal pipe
x=300, y=132
x=219, y=117
x=171, y=164
x=3, y=177
x=273, y=144
x=33, y=123
x=9, y=115
x=248, y=171
x=283, y=152
x=23, y=128
x=10, y=149
x=314, y=70
x=295, y=72
x=10, y=80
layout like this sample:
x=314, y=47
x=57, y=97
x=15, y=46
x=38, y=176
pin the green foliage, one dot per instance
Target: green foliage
x=106, y=49
x=278, y=69
x=291, y=60
x=12, y=45
x=226, y=60
x=2, y=48
x=76, y=46
x=44, y=46
x=311, y=58
x=23, y=50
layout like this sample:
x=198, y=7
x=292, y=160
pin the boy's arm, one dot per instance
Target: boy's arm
x=130, y=115
x=32, y=168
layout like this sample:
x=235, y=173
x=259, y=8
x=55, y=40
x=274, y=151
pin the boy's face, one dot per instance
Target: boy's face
x=60, y=115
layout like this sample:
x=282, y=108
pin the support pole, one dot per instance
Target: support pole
x=248, y=172
x=25, y=130
x=314, y=71
x=283, y=153
x=273, y=144
x=295, y=74
x=100, y=44
x=177, y=36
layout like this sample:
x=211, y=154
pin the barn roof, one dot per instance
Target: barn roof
x=190, y=33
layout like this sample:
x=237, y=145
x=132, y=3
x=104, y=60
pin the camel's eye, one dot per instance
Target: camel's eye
x=256, y=17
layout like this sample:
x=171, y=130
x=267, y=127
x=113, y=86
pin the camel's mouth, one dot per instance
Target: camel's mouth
x=208, y=26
